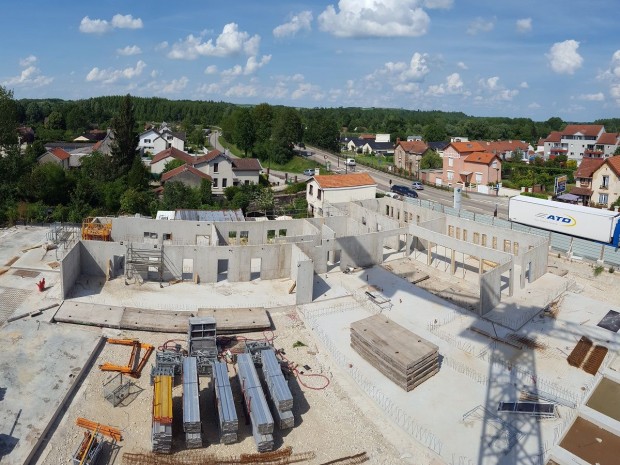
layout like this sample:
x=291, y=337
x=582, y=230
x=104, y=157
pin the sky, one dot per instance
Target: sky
x=534, y=59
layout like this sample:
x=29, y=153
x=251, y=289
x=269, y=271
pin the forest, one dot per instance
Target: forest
x=35, y=192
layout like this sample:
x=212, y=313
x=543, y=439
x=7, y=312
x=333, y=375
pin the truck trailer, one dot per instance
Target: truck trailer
x=573, y=220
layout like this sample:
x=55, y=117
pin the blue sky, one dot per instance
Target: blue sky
x=524, y=58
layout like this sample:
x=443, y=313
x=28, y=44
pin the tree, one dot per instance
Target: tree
x=617, y=151
x=287, y=130
x=322, y=131
x=172, y=164
x=47, y=182
x=244, y=134
x=435, y=132
x=178, y=195
x=263, y=121
x=55, y=121
x=555, y=123
x=138, y=176
x=206, y=192
x=431, y=160
x=8, y=118
x=76, y=119
x=136, y=201
x=125, y=137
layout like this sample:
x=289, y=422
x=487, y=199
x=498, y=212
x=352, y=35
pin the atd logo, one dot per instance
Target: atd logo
x=557, y=219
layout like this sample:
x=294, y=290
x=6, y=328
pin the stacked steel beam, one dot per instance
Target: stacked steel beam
x=191, y=404
x=255, y=402
x=227, y=414
x=162, y=414
x=201, y=342
x=279, y=391
x=404, y=357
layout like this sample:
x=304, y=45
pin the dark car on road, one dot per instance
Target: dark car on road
x=404, y=191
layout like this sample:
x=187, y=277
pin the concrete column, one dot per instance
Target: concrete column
x=429, y=253
x=452, y=261
x=480, y=266
x=511, y=280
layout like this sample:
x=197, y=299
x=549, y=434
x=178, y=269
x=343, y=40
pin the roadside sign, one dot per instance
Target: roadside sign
x=560, y=184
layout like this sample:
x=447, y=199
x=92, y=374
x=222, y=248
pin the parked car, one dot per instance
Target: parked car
x=404, y=191
x=392, y=195
x=309, y=172
x=417, y=185
x=350, y=162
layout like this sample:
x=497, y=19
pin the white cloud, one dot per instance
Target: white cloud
x=402, y=76
x=174, y=86
x=129, y=50
x=211, y=69
x=299, y=22
x=94, y=26
x=254, y=65
x=161, y=46
x=99, y=26
x=461, y=65
x=452, y=85
x=126, y=22
x=524, y=85
x=524, y=25
x=598, y=97
x=241, y=91
x=564, y=58
x=490, y=84
x=230, y=42
x=236, y=70
x=28, y=61
x=479, y=25
x=613, y=76
x=614, y=91
x=378, y=18
x=534, y=106
x=209, y=89
x=495, y=90
x=30, y=76
x=110, y=76
x=305, y=89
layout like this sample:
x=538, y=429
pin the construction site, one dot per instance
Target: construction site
x=383, y=333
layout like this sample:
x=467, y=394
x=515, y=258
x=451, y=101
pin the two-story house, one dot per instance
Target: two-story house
x=159, y=161
x=407, y=155
x=324, y=190
x=467, y=164
x=228, y=171
x=606, y=183
x=154, y=141
x=185, y=174
x=583, y=179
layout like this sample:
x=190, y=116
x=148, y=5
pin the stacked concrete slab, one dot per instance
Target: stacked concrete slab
x=279, y=391
x=191, y=404
x=255, y=402
x=404, y=357
x=227, y=414
x=162, y=414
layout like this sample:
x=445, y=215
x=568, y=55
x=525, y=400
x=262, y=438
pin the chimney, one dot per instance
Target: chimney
x=397, y=140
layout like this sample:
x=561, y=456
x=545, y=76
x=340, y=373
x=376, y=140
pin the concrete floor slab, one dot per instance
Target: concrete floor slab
x=34, y=393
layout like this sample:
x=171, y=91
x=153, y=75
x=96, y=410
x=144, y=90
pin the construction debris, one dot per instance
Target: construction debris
x=108, y=431
x=595, y=360
x=136, y=364
x=88, y=450
x=36, y=312
x=404, y=357
x=349, y=460
x=586, y=357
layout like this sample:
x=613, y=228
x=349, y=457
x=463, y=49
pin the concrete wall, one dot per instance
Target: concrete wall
x=70, y=268
x=302, y=271
x=95, y=255
x=490, y=288
x=182, y=232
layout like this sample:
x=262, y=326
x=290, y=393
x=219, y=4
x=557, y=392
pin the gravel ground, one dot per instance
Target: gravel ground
x=333, y=422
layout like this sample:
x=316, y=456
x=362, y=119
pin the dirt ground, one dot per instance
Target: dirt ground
x=328, y=423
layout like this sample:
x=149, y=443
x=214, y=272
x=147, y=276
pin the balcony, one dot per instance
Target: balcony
x=604, y=186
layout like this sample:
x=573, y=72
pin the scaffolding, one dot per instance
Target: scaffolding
x=145, y=264
x=97, y=229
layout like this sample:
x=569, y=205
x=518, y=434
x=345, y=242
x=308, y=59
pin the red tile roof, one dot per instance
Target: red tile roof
x=174, y=153
x=60, y=153
x=480, y=157
x=367, y=136
x=614, y=164
x=414, y=146
x=208, y=156
x=581, y=191
x=585, y=129
x=182, y=169
x=554, y=136
x=467, y=147
x=588, y=166
x=336, y=181
x=246, y=164
x=608, y=138
x=503, y=146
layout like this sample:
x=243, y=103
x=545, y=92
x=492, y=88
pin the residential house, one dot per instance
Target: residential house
x=94, y=135
x=578, y=141
x=155, y=141
x=352, y=144
x=159, y=161
x=606, y=183
x=104, y=146
x=325, y=190
x=56, y=155
x=407, y=155
x=227, y=171
x=509, y=149
x=383, y=138
x=185, y=174
x=438, y=147
x=468, y=165
x=414, y=137
x=583, y=179
x=378, y=148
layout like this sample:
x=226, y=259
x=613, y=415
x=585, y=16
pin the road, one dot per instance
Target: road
x=474, y=202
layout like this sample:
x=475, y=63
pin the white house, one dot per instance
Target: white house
x=155, y=141
x=227, y=171
x=324, y=190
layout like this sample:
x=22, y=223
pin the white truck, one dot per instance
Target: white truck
x=573, y=220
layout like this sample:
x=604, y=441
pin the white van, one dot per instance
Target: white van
x=350, y=162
